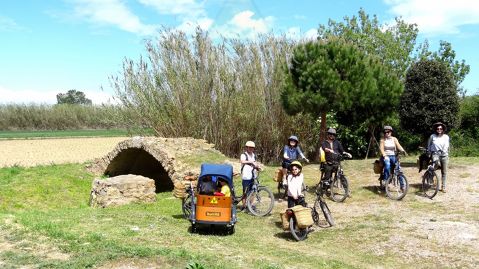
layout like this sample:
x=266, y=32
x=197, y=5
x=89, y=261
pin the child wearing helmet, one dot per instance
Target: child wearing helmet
x=295, y=185
x=248, y=166
x=291, y=152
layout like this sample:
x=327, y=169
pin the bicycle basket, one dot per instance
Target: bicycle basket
x=303, y=216
x=284, y=220
x=378, y=166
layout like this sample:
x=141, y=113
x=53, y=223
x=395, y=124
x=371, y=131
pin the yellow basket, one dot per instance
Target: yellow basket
x=303, y=216
x=278, y=177
x=284, y=220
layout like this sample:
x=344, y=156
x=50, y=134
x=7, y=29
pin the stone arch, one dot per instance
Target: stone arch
x=138, y=161
x=161, y=159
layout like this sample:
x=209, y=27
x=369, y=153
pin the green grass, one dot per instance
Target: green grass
x=66, y=133
x=46, y=207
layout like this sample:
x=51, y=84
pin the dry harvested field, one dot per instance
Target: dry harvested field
x=32, y=152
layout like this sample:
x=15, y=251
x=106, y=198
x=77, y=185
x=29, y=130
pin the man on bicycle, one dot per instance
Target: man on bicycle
x=332, y=148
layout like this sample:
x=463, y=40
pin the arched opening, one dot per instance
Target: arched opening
x=140, y=162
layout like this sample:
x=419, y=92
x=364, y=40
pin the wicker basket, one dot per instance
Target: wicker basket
x=378, y=167
x=303, y=216
x=278, y=177
x=180, y=188
x=284, y=220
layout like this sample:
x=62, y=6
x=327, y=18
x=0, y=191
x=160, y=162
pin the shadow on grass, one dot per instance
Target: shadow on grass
x=206, y=229
x=178, y=216
x=376, y=189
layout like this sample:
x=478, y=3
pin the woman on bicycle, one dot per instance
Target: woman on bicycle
x=295, y=182
x=388, y=145
x=291, y=152
x=438, y=147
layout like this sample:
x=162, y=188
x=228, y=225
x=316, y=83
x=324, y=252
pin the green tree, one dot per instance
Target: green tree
x=469, y=114
x=429, y=96
x=73, y=97
x=337, y=76
x=447, y=55
x=392, y=43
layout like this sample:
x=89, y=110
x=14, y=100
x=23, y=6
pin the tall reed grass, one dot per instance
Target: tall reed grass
x=226, y=92
x=59, y=117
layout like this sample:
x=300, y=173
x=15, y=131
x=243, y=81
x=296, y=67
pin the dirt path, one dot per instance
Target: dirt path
x=32, y=152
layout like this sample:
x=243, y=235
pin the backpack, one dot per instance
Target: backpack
x=242, y=165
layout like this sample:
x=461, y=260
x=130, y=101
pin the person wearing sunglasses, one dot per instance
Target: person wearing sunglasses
x=438, y=148
x=388, y=145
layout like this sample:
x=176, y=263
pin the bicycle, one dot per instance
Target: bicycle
x=319, y=204
x=337, y=188
x=259, y=199
x=430, y=180
x=396, y=186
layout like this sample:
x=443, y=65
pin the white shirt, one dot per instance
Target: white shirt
x=439, y=143
x=247, y=169
x=389, y=146
x=295, y=185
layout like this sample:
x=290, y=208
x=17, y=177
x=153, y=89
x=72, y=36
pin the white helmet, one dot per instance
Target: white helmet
x=250, y=144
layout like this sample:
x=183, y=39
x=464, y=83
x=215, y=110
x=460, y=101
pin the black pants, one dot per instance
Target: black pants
x=329, y=169
x=292, y=202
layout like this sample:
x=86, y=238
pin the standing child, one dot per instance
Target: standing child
x=248, y=166
x=295, y=185
x=291, y=153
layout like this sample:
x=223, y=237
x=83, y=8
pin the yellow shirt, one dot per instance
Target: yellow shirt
x=226, y=190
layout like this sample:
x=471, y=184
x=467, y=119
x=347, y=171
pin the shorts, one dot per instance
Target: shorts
x=246, y=184
x=286, y=164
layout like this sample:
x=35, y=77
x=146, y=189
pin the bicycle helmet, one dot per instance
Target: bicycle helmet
x=297, y=164
x=294, y=138
x=388, y=128
x=437, y=124
x=331, y=131
x=250, y=144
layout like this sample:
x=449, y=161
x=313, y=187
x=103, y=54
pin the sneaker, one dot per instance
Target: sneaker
x=443, y=190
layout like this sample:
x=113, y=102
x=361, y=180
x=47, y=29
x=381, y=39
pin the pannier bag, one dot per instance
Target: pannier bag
x=303, y=216
x=378, y=167
x=278, y=175
x=322, y=155
x=284, y=220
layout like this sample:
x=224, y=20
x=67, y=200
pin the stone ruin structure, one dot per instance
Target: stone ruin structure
x=170, y=162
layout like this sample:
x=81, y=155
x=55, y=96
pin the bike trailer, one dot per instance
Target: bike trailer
x=211, y=209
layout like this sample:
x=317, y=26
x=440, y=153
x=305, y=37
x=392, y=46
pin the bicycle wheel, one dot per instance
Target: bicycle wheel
x=187, y=206
x=260, y=202
x=394, y=189
x=430, y=184
x=327, y=221
x=298, y=233
x=339, y=190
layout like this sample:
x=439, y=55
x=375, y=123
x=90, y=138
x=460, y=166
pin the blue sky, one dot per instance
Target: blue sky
x=52, y=46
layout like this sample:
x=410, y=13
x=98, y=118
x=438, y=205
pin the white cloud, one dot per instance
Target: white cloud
x=9, y=25
x=187, y=8
x=244, y=25
x=41, y=96
x=437, y=16
x=297, y=34
x=113, y=12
